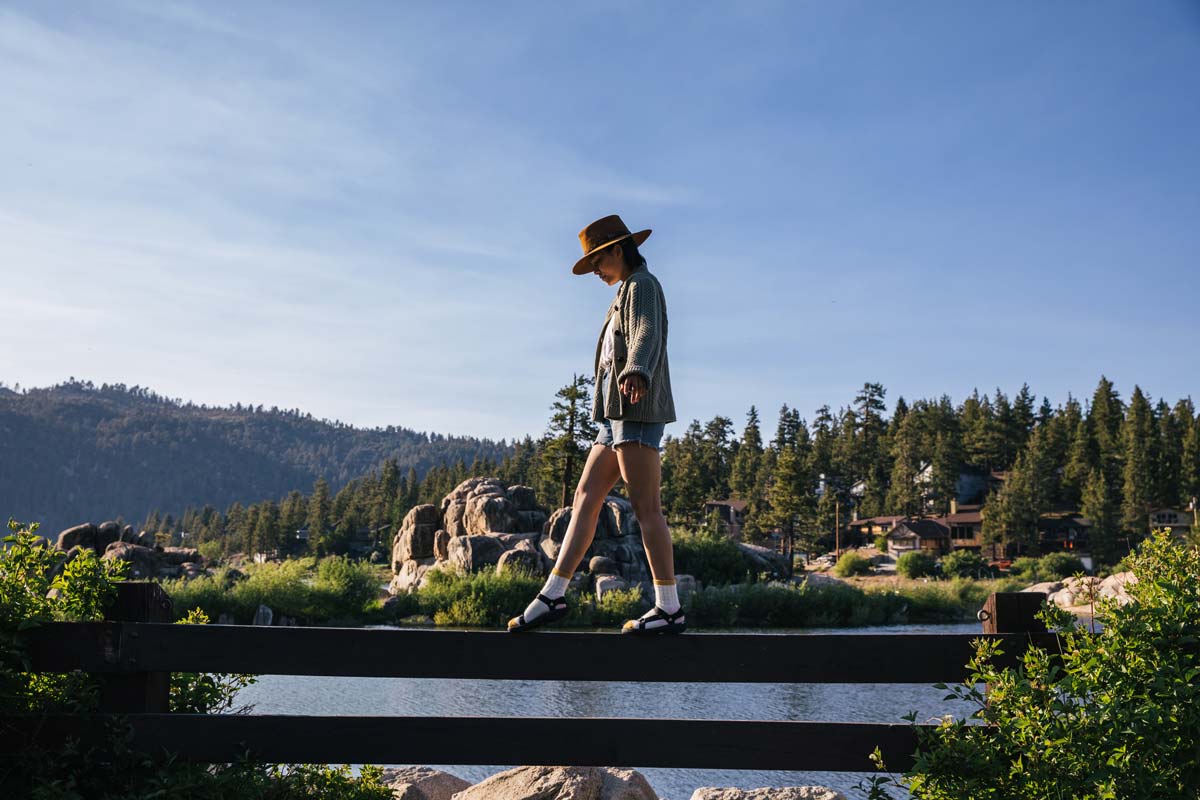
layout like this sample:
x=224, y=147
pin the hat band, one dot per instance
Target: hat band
x=611, y=238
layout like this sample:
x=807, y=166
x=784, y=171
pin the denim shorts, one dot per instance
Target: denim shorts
x=617, y=431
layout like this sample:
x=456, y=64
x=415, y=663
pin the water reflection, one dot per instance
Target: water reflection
x=287, y=694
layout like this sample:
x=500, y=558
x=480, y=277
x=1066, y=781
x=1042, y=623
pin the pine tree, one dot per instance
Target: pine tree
x=788, y=494
x=904, y=494
x=743, y=479
x=568, y=438
x=319, y=522
x=1168, y=461
x=1189, y=470
x=387, y=491
x=688, y=486
x=292, y=515
x=1105, y=416
x=1082, y=458
x=947, y=465
x=267, y=534
x=982, y=439
x=716, y=457
x=1138, y=478
x=1100, y=509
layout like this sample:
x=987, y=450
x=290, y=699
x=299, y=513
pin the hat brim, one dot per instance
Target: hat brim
x=581, y=266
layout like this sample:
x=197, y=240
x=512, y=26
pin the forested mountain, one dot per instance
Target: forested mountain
x=78, y=452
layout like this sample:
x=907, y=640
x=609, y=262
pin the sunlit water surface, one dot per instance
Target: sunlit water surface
x=836, y=702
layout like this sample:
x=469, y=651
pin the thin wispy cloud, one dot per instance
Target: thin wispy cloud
x=369, y=212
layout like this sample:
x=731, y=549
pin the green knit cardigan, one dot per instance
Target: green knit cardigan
x=640, y=348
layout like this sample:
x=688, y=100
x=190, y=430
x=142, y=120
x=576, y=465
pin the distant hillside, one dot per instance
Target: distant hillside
x=77, y=452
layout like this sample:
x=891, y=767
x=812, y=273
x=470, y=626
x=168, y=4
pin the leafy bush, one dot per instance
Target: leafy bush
x=309, y=590
x=1113, y=716
x=916, y=564
x=36, y=587
x=1050, y=567
x=1053, y=566
x=881, y=543
x=851, y=563
x=484, y=598
x=964, y=564
x=768, y=605
x=710, y=558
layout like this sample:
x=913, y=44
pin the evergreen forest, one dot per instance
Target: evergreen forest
x=248, y=479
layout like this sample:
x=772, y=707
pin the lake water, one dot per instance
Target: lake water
x=291, y=694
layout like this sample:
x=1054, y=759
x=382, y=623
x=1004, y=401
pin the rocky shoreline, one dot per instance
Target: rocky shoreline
x=569, y=783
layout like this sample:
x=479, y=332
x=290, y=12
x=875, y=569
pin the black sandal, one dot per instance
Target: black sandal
x=675, y=623
x=558, y=609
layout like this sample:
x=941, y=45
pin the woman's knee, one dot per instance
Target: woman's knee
x=645, y=505
x=587, y=501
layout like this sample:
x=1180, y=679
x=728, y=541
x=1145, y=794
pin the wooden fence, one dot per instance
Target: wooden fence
x=137, y=648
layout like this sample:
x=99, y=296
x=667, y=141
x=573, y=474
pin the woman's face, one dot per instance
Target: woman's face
x=609, y=264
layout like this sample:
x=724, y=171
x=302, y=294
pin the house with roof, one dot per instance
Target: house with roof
x=926, y=535
x=1178, y=520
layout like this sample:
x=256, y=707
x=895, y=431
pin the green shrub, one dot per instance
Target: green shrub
x=36, y=588
x=851, y=563
x=1026, y=568
x=710, y=558
x=309, y=590
x=483, y=598
x=916, y=564
x=964, y=564
x=1050, y=567
x=881, y=543
x=614, y=608
x=1108, y=714
x=1054, y=566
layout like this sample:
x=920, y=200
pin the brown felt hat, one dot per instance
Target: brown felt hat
x=604, y=232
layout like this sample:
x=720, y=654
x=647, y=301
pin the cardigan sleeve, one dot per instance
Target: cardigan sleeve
x=643, y=339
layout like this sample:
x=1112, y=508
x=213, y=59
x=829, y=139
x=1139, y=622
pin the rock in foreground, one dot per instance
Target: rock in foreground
x=561, y=783
x=422, y=783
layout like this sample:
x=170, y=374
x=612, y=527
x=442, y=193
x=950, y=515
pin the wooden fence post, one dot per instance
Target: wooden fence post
x=1013, y=612
x=136, y=692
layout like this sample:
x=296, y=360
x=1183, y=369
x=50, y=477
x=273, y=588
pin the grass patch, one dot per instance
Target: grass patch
x=310, y=591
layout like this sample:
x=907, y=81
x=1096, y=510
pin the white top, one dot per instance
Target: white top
x=608, y=348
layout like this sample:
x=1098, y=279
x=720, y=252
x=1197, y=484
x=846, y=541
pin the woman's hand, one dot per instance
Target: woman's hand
x=633, y=387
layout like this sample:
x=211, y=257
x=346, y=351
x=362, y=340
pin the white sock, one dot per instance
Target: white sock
x=556, y=587
x=665, y=596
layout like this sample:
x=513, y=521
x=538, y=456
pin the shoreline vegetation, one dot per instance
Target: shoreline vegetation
x=339, y=592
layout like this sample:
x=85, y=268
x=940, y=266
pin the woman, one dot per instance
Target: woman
x=633, y=406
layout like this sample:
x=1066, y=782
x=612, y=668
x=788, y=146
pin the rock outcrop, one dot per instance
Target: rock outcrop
x=485, y=524
x=422, y=783
x=1074, y=592
x=146, y=560
x=561, y=783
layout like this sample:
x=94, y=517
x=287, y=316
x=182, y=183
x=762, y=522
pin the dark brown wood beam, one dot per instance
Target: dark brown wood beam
x=717, y=657
x=722, y=744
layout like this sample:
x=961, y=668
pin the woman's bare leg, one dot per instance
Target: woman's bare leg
x=600, y=474
x=641, y=468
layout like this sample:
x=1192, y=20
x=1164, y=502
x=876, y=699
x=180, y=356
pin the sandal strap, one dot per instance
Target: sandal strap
x=657, y=613
x=550, y=604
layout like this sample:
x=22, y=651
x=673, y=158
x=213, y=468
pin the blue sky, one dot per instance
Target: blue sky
x=369, y=210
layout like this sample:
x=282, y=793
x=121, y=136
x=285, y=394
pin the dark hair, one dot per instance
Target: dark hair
x=629, y=253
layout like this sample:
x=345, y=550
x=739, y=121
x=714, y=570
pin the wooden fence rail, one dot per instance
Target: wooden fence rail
x=136, y=658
